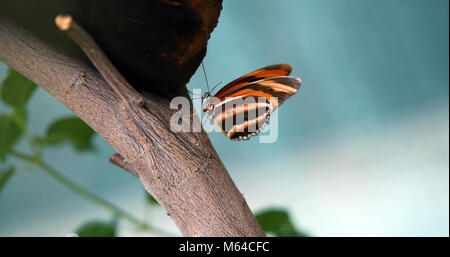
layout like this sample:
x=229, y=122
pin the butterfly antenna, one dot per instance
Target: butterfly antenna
x=204, y=72
x=216, y=86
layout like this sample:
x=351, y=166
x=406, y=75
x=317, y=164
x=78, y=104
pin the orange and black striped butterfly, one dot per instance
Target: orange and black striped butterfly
x=243, y=107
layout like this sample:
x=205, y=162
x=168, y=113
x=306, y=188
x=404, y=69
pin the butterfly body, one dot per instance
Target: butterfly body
x=242, y=108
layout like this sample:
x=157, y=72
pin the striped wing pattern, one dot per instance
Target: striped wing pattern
x=246, y=103
x=276, y=70
x=279, y=87
x=241, y=117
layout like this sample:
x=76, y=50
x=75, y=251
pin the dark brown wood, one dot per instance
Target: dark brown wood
x=156, y=44
x=181, y=170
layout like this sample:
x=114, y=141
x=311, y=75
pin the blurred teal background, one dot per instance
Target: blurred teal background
x=363, y=147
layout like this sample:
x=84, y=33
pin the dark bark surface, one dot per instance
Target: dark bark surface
x=157, y=45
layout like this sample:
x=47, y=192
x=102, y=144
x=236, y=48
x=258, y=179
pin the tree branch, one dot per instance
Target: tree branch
x=97, y=57
x=181, y=170
x=118, y=160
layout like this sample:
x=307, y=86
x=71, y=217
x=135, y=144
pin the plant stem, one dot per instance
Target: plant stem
x=86, y=194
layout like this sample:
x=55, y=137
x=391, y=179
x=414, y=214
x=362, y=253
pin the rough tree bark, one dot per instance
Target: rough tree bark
x=181, y=170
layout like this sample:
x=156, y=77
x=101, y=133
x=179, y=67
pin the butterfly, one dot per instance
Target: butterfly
x=242, y=108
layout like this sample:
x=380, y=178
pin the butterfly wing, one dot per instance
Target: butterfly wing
x=263, y=73
x=241, y=117
x=245, y=104
x=280, y=87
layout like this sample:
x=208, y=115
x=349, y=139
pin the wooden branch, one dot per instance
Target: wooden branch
x=181, y=170
x=97, y=57
x=119, y=161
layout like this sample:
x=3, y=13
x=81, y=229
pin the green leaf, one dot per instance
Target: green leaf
x=150, y=199
x=70, y=130
x=4, y=177
x=275, y=220
x=278, y=222
x=97, y=229
x=9, y=134
x=16, y=89
x=20, y=116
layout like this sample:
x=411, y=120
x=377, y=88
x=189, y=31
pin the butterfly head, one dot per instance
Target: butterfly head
x=208, y=104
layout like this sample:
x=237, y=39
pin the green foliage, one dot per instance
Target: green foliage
x=277, y=222
x=10, y=133
x=70, y=130
x=20, y=116
x=97, y=229
x=16, y=89
x=4, y=177
x=150, y=199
